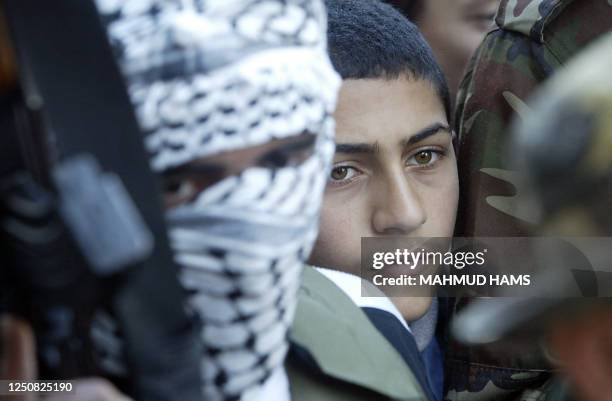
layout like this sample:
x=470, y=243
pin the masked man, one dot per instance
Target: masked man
x=235, y=101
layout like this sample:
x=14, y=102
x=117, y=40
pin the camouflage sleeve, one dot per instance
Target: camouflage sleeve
x=531, y=40
x=484, y=108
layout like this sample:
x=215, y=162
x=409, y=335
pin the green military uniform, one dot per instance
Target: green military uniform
x=531, y=39
x=563, y=147
x=351, y=360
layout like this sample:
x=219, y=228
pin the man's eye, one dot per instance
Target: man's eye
x=276, y=159
x=342, y=173
x=289, y=155
x=179, y=192
x=424, y=158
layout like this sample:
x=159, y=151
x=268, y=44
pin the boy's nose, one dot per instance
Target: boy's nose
x=398, y=209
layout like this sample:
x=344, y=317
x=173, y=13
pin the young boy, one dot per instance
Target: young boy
x=394, y=172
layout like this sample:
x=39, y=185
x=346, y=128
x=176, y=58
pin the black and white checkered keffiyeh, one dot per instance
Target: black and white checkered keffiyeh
x=210, y=76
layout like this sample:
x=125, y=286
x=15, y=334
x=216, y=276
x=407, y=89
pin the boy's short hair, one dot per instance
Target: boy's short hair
x=371, y=39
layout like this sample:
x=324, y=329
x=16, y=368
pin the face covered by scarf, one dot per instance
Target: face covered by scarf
x=213, y=76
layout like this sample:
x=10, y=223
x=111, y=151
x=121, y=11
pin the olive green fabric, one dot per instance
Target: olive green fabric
x=531, y=41
x=356, y=361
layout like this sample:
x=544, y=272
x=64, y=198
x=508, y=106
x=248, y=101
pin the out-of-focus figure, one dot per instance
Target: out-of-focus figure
x=235, y=101
x=531, y=40
x=453, y=29
x=563, y=145
x=18, y=353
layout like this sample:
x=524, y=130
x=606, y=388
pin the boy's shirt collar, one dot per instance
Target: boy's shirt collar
x=351, y=285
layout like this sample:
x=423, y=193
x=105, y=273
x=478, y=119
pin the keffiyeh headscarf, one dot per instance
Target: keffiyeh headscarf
x=211, y=76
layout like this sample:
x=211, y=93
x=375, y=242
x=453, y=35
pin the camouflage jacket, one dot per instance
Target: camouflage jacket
x=530, y=40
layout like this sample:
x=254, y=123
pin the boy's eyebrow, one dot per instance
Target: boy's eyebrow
x=352, y=148
x=427, y=132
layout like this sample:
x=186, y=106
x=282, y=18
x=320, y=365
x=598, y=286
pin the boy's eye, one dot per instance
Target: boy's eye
x=342, y=173
x=424, y=158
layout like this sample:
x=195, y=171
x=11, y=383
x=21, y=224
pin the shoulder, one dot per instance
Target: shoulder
x=343, y=347
x=531, y=40
x=529, y=17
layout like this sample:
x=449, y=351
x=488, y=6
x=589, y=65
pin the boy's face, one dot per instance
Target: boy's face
x=394, y=173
